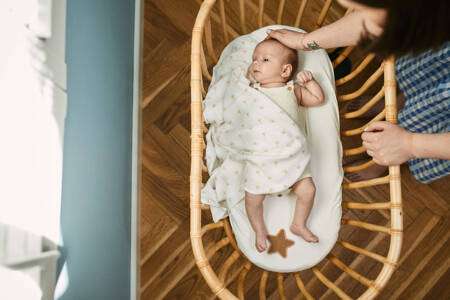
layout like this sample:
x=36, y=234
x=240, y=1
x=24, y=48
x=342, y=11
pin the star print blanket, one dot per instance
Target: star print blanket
x=253, y=145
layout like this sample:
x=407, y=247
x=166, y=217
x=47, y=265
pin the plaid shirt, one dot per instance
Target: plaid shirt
x=425, y=83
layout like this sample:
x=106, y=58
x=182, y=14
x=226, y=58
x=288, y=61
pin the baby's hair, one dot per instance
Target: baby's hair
x=292, y=58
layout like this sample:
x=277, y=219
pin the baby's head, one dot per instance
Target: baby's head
x=273, y=62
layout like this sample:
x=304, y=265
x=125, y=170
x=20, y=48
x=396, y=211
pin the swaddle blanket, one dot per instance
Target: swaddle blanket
x=255, y=146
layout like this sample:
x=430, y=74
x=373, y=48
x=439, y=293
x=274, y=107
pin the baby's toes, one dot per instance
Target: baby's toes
x=311, y=237
x=258, y=247
x=314, y=239
x=261, y=244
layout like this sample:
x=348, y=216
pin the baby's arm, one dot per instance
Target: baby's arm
x=310, y=94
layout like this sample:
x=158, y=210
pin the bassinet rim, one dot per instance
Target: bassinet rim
x=395, y=204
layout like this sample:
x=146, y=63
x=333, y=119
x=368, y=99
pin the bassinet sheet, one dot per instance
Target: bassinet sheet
x=236, y=163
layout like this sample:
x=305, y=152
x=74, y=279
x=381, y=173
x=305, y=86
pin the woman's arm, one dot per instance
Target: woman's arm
x=344, y=32
x=389, y=144
x=426, y=145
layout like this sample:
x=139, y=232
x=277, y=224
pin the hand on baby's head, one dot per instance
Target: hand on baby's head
x=304, y=76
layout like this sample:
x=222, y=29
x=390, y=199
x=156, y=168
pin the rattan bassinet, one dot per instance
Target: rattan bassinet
x=246, y=12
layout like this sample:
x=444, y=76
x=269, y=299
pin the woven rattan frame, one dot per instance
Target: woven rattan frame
x=199, y=69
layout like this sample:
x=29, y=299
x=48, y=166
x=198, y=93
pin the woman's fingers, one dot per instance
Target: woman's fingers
x=379, y=162
x=366, y=144
x=289, y=38
x=390, y=145
x=369, y=137
x=370, y=153
x=378, y=125
x=370, y=132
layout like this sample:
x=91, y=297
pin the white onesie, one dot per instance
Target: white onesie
x=285, y=98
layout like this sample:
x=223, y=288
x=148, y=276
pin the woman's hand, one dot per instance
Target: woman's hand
x=387, y=143
x=289, y=38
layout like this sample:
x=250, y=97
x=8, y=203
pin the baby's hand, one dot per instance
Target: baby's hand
x=304, y=76
x=249, y=76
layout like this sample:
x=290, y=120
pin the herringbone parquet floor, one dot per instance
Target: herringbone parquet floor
x=168, y=270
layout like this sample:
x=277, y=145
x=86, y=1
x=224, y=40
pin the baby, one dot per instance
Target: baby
x=273, y=68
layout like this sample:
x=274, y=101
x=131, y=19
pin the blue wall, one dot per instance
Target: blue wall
x=96, y=195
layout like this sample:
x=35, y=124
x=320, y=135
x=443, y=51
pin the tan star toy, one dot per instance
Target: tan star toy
x=279, y=243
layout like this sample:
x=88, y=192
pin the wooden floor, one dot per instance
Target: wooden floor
x=168, y=270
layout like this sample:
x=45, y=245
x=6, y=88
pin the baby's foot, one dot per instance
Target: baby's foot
x=260, y=242
x=304, y=232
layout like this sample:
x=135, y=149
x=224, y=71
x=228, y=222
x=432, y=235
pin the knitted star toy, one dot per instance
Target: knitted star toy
x=279, y=243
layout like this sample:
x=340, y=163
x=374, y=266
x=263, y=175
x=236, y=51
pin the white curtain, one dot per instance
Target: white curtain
x=32, y=112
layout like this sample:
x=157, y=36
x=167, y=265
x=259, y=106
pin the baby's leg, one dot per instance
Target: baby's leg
x=254, y=208
x=305, y=191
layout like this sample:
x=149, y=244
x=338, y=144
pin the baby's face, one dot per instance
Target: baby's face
x=268, y=61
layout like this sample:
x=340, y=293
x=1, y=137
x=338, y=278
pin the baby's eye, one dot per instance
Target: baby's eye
x=265, y=59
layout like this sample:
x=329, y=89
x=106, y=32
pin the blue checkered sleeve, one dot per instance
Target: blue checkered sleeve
x=425, y=83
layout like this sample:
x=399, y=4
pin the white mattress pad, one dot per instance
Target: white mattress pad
x=322, y=128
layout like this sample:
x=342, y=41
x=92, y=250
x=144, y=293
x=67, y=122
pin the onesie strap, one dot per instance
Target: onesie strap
x=256, y=85
x=290, y=85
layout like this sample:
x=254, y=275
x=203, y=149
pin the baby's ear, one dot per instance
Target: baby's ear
x=286, y=71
